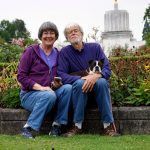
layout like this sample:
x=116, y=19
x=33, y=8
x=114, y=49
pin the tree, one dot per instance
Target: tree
x=14, y=29
x=95, y=35
x=146, y=29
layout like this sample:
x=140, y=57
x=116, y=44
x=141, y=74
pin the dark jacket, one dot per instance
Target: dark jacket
x=32, y=69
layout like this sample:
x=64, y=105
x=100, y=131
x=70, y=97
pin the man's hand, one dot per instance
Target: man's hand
x=90, y=81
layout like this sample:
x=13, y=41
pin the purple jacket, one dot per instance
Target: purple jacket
x=32, y=69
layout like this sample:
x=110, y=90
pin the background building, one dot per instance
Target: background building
x=117, y=32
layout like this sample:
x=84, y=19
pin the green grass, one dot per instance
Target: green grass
x=80, y=142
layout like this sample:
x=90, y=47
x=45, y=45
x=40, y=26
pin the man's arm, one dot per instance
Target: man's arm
x=63, y=70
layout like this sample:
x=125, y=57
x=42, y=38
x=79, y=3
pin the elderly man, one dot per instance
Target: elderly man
x=75, y=58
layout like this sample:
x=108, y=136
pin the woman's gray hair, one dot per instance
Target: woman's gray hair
x=70, y=26
x=48, y=26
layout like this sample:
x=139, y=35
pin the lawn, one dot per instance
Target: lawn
x=80, y=142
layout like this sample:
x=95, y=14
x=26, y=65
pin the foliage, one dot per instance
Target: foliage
x=9, y=87
x=8, y=77
x=140, y=95
x=146, y=29
x=120, y=52
x=129, y=82
x=94, y=35
x=10, y=52
x=128, y=74
x=14, y=29
x=2, y=65
x=10, y=98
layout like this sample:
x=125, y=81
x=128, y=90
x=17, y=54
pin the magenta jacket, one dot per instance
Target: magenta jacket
x=32, y=69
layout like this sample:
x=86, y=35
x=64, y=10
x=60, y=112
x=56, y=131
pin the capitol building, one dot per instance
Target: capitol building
x=117, y=32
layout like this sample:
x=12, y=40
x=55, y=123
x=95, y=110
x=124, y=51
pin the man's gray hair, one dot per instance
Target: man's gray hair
x=48, y=26
x=70, y=26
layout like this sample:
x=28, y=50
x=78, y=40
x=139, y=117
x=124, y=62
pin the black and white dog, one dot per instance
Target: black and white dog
x=95, y=66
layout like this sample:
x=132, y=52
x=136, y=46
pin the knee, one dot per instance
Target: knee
x=50, y=97
x=79, y=83
x=67, y=88
x=102, y=82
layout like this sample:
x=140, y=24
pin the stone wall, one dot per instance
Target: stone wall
x=129, y=120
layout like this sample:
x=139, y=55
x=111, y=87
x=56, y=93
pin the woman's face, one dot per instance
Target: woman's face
x=48, y=38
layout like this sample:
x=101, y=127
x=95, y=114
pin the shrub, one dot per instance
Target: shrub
x=10, y=98
x=10, y=53
x=9, y=87
x=128, y=74
x=140, y=95
x=129, y=83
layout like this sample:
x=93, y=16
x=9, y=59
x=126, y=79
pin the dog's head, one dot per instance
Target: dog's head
x=95, y=66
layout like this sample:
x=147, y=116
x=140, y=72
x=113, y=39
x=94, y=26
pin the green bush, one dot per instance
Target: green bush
x=128, y=74
x=129, y=83
x=9, y=87
x=10, y=98
x=10, y=52
x=140, y=95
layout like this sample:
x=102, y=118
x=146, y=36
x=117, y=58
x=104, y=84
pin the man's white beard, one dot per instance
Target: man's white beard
x=76, y=41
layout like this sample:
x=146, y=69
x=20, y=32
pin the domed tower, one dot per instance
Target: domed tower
x=116, y=29
x=116, y=20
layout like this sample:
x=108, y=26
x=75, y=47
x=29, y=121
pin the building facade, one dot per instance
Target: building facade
x=117, y=32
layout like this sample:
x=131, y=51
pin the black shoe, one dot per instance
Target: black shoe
x=55, y=131
x=26, y=132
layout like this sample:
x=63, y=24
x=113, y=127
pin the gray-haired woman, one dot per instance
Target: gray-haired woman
x=36, y=73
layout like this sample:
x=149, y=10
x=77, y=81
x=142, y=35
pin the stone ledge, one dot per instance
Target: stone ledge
x=129, y=120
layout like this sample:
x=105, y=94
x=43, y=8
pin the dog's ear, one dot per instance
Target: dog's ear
x=100, y=64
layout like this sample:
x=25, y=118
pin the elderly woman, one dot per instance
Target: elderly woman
x=36, y=72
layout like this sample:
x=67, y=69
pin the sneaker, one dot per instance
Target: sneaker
x=75, y=130
x=55, y=131
x=111, y=131
x=26, y=132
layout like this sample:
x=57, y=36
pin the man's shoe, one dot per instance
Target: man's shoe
x=74, y=131
x=111, y=131
x=55, y=131
x=26, y=132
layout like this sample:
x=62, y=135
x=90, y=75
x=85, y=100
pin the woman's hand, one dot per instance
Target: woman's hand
x=46, y=88
x=38, y=87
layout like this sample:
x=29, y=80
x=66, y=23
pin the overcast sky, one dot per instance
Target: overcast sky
x=88, y=13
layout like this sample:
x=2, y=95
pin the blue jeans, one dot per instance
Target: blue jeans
x=39, y=103
x=102, y=95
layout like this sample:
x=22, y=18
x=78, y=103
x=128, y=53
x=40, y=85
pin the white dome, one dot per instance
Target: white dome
x=116, y=20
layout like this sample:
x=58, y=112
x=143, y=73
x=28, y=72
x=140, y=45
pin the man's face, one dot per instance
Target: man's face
x=48, y=38
x=74, y=35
